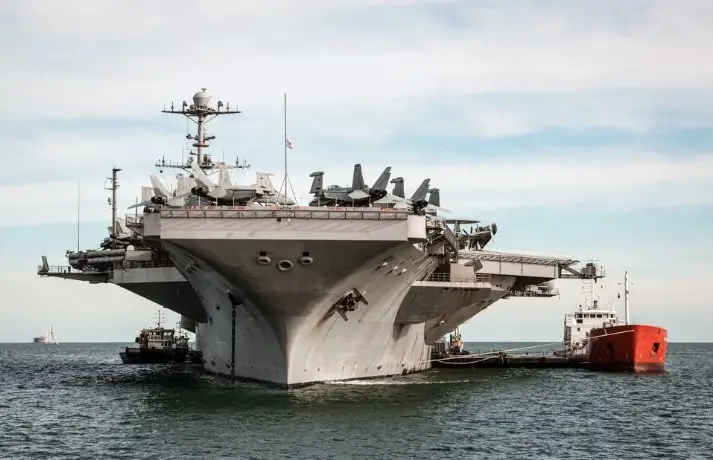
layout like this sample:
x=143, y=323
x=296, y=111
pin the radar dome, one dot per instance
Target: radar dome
x=201, y=98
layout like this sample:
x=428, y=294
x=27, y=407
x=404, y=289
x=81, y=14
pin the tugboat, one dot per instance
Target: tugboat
x=454, y=348
x=455, y=345
x=157, y=346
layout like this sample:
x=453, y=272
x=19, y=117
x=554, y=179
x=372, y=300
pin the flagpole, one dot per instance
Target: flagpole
x=284, y=199
x=78, y=205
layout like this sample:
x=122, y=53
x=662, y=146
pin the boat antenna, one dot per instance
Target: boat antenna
x=286, y=180
x=626, y=297
x=158, y=320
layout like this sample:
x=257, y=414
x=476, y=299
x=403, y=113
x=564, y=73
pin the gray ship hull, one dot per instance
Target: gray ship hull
x=286, y=329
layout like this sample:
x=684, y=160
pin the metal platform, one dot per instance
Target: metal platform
x=297, y=212
x=494, y=256
x=67, y=272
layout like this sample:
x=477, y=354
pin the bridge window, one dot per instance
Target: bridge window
x=579, y=321
x=599, y=315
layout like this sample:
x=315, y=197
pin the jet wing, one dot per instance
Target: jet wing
x=391, y=199
x=433, y=208
x=333, y=196
x=143, y=204
x=358, y=195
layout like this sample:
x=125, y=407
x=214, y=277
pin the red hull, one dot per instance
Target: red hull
x=632, y=348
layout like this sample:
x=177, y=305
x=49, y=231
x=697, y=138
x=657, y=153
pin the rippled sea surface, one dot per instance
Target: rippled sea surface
x=78, y=401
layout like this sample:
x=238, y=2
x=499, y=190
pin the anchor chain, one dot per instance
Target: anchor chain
x=232, y=348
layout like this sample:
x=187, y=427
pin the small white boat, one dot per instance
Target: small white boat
x=49, y=337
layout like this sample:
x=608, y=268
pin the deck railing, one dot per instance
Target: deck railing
x=537, y=292
x=448, y=278
x=57, y=269
x=53, y=270
x=304, y=212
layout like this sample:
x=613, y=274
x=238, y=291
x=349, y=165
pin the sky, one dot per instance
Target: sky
x=583, y=129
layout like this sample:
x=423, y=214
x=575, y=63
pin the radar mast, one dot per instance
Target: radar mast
x=200, y=113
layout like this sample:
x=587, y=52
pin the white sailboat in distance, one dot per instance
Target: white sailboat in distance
x=49, y=336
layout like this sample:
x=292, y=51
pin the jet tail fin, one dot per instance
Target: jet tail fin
x=185, y=184
x=45, y=265
x=434, y=197
x=398, y=187
x=263, y=184
x=357, y=178
x=224, y=177
x=420, y=194
x=317, y=182
x=201, y=177
x=146, y=193
x=159, y=188
x=383, y=181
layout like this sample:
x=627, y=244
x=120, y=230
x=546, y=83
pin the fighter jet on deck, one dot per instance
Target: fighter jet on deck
x=356, y=195
x=225, y=193
x=418, y=202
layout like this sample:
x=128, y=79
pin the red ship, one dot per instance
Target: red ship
x=628, y=347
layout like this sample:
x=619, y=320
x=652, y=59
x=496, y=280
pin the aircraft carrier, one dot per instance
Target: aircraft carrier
x=359, y=284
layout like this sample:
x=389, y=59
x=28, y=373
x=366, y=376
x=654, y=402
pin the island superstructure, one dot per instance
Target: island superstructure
x=292, y=294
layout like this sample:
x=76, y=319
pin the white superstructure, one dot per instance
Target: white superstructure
x=579, y=324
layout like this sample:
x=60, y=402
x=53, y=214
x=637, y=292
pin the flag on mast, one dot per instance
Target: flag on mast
x=288, y=144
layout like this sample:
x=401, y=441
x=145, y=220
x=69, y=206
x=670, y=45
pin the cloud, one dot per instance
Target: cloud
x=601, y=183
x=331, y=53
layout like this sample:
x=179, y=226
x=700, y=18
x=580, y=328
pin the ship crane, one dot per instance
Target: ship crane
x=590, y=271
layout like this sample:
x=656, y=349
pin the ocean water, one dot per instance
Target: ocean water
x=78, y=401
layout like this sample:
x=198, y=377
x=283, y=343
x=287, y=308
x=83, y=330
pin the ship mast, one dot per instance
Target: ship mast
x=200, y=112
x=626, y=297
x=113, y=186
x=158, y=318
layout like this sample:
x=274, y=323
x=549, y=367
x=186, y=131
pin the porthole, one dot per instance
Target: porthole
x=284, y=265
x=306, y=260
x=263, y=260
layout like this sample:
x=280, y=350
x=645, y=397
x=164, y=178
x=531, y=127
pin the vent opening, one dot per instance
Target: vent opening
x=284, y=265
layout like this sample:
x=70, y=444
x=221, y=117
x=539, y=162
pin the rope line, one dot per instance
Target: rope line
x=494, y=354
